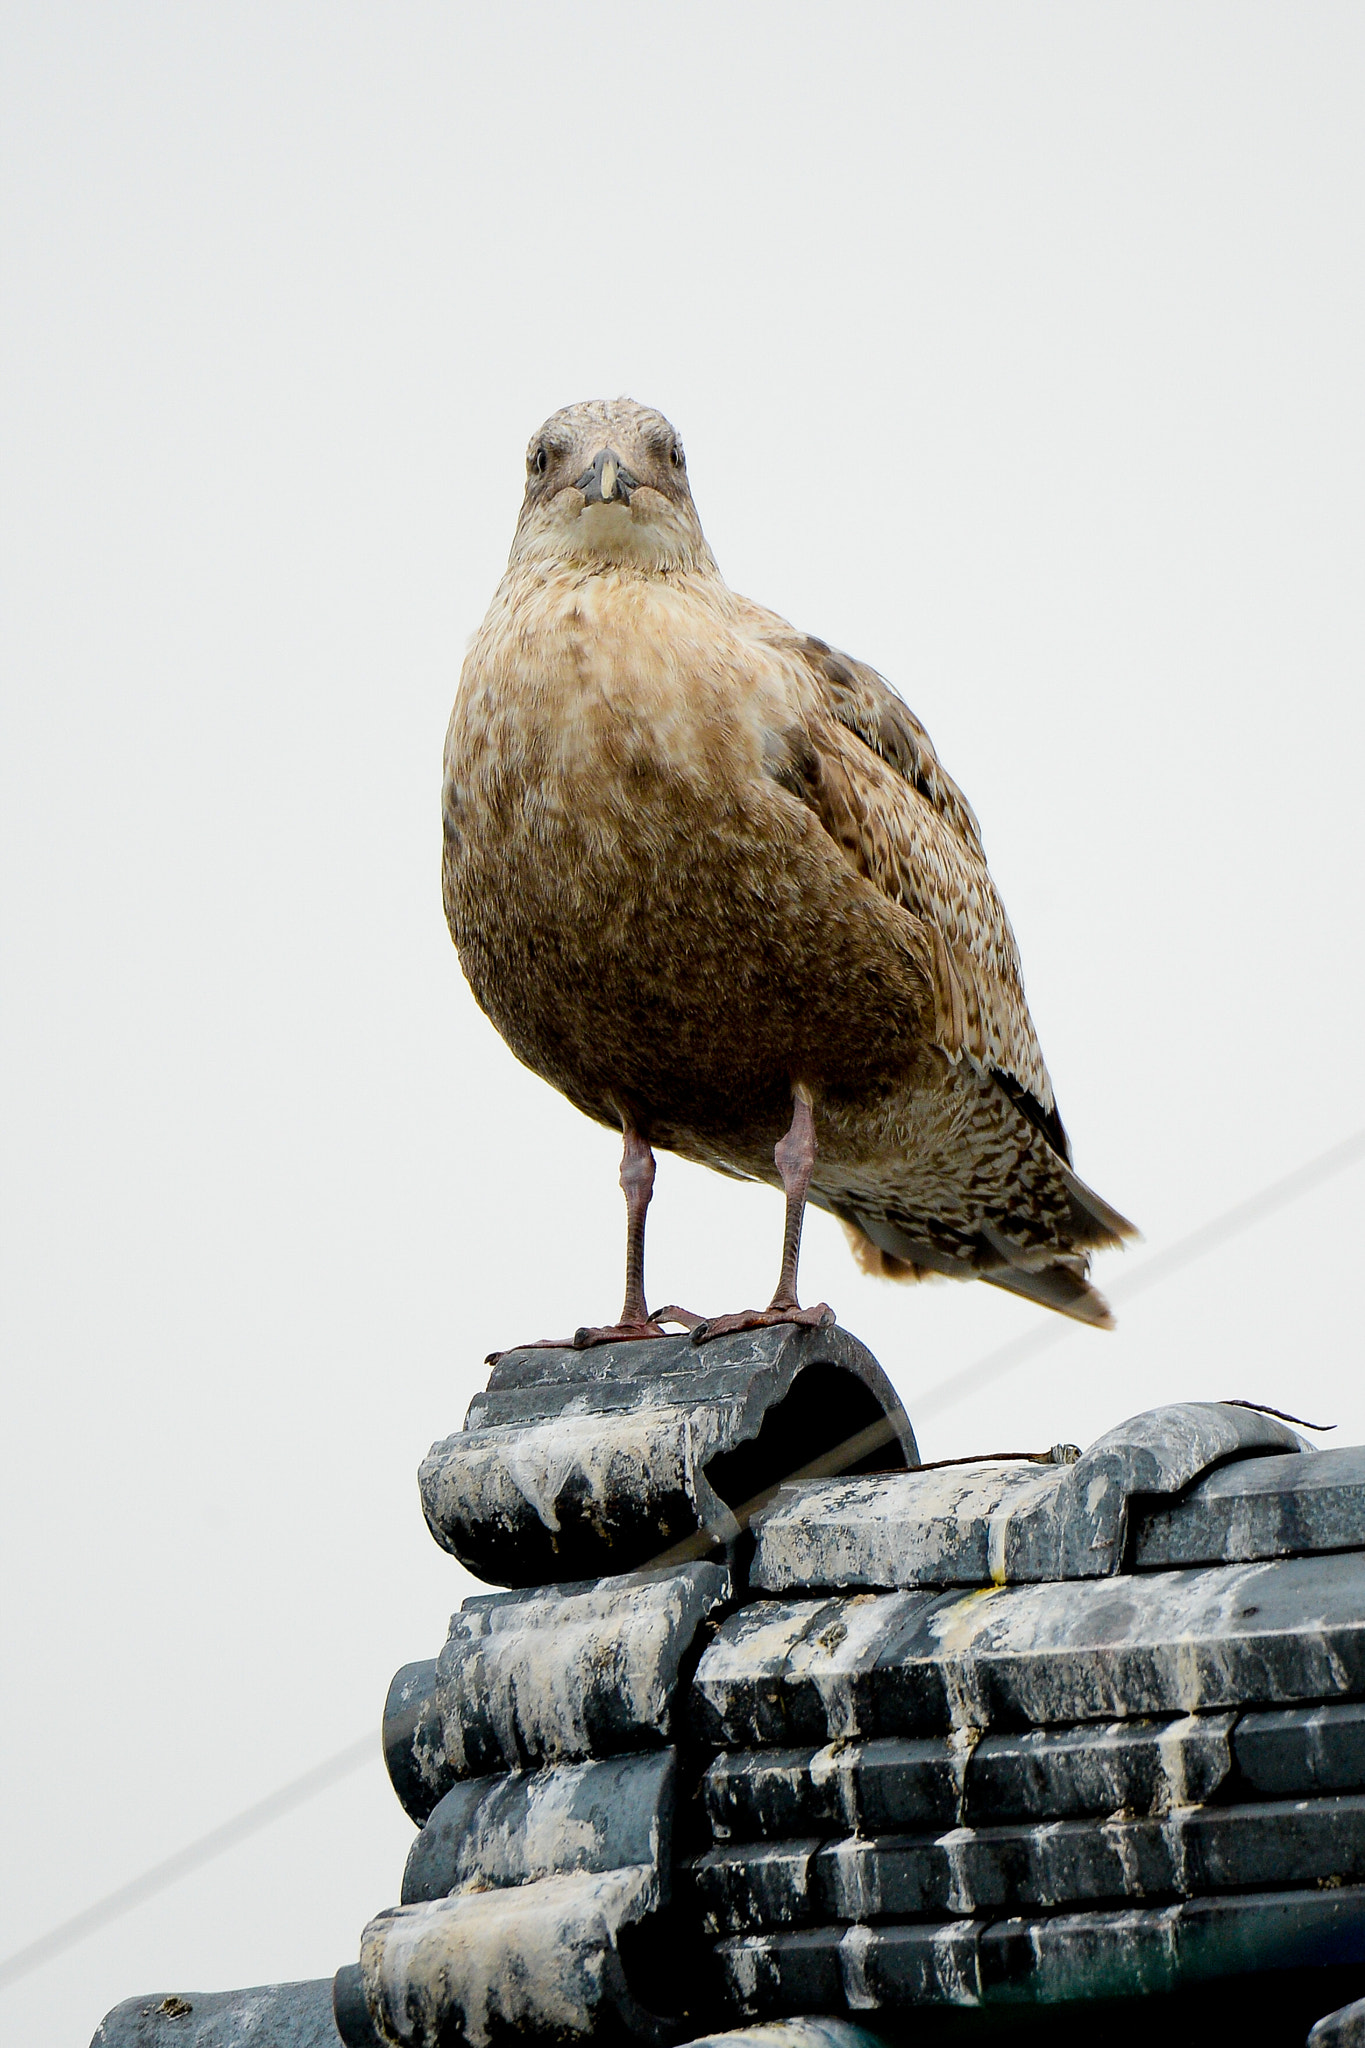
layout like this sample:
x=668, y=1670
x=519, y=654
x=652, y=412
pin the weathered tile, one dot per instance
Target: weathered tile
x=580, y=1462
x=834, y=1667
x=414, y=1746
x=555, y=1676
x=524, y=1825
x=540, y=1961
x=1259, y=1507
x=766, y=1975
x=1224, y=1636
x=1344, y=2028
x=1303, y=1749
x=898, y=1529
x=896, y=1785
x=1159, y=1452
x=802, y=2033
x=1139, y=1766
x=1004, y=1523
x=1137, y=1645
x=743, y=1887
x=754, y=1795
x=758, y=1884
x=1125, y=1954
x=1273, y=1842
x=268, y=2016
x=873, y=1787
x=745, y=1697
x=785, y=1670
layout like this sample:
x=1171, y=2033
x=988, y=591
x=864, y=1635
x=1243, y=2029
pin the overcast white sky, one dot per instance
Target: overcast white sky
x=1018, y=350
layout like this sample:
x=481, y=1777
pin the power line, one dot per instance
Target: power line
x=1196, y=1244
x=249, y=1822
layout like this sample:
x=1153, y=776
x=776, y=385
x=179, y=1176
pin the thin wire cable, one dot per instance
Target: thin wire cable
x=249, y=1822
x=1196, y=1244
x=945, y=1393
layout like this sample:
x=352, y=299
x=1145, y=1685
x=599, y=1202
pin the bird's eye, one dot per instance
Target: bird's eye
x=675, y=456
x=540, y=461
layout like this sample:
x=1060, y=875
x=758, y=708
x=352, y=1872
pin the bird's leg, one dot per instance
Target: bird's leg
x=637, y=1185
x=794, y=1157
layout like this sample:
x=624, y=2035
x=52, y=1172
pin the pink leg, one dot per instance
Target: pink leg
x=637, y=1185
x=794, y=1157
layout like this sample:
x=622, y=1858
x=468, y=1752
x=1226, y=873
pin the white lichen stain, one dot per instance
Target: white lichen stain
x=857, y=1879
x=955, y=1845
x=741, y=1965
x=1118, y=1835
x=1030, y=1490
x=845, y=1641
x=961, y=1743
x=957, y=1965
x=530, y=1961
x=641, y=1455
x=957, y=1628
x=545, y=1836
x=858, y=1993
x=533, y=1669
x=918, y=1528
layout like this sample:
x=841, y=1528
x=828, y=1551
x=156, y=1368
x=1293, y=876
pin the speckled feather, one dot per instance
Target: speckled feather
x=694, y=858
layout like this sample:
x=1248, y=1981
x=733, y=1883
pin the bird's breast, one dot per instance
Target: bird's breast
x=588, y=692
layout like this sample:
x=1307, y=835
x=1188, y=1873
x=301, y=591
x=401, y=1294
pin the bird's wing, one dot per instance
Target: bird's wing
x=869, y=772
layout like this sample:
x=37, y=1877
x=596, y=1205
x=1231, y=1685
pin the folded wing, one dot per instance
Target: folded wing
x=876, y=784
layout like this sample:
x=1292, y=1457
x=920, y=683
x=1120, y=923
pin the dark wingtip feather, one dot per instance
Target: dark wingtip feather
x=1113, y=1229
x=885, y=1251
x=1057, y=1287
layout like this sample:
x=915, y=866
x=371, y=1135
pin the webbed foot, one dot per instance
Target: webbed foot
x=587, y=1335
x=820, y=1317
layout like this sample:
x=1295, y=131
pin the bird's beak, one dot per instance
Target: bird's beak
x=608, y=481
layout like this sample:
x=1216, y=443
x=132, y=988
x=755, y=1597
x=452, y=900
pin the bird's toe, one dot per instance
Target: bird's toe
x=820, y=1317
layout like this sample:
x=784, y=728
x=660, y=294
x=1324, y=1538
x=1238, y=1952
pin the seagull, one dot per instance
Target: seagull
x=708, y=877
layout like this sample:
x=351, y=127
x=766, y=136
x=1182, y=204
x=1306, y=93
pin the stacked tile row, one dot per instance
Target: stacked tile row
x=540, y=1752
x=890, y=1748
x=929, y=1788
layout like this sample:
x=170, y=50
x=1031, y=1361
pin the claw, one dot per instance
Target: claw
x=589, y=1334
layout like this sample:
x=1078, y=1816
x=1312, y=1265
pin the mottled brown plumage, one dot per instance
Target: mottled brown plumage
x=697, y=861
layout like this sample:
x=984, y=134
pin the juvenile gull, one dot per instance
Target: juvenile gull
x=708, y=877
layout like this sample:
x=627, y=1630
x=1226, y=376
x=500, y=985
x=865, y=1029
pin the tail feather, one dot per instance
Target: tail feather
x=882, y=1248
x=1113, y=1229
x=1059, y=1287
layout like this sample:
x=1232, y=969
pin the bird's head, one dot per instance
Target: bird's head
x=606, y=481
